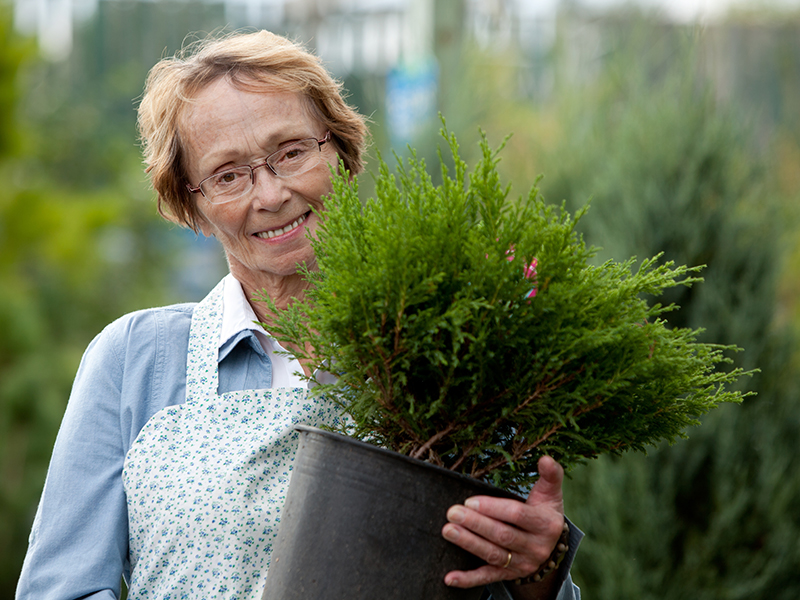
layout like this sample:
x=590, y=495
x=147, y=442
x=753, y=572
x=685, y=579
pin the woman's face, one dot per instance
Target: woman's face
x=226, y=127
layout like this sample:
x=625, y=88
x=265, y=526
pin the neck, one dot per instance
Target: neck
x=282, y=291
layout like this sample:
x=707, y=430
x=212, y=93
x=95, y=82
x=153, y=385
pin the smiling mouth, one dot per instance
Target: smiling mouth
x=276, y=232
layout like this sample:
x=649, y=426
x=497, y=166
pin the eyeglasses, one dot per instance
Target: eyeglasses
x=289, y=161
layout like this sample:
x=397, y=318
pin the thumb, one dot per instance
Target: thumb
x=548, y=488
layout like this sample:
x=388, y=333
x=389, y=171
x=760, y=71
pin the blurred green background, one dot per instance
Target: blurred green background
x=684, y=132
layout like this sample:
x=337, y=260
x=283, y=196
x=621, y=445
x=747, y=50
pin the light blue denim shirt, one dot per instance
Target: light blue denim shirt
x=135, y=367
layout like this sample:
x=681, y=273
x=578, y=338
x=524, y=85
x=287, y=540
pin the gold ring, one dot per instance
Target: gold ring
x=508, y=561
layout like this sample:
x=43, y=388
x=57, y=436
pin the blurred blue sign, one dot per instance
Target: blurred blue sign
x=411, y=99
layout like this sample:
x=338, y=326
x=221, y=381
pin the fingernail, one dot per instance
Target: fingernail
x=456, y=514
x=473, y=503
x=450, y=533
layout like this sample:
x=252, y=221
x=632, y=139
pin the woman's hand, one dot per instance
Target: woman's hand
x=513, y=537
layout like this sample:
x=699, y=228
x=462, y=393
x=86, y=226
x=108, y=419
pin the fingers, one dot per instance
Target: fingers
x=490, y=528
x=546, y=495
x=481, y=576
x=498, y=519
x=491, y=537
x=502, y=564
x=523, y=557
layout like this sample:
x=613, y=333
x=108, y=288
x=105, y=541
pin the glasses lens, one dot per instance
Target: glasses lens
x=295, y=159
x=227, y=185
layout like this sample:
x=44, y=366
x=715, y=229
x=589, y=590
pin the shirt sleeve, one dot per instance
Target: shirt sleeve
x=78, y=546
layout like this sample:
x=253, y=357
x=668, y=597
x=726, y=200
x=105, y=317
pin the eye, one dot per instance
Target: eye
x=227, y=178
x=294, y=159
x=291, y=153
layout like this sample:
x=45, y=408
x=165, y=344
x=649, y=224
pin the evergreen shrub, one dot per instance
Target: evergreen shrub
x=472, y=331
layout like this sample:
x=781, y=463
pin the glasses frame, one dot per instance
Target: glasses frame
x=265, y=163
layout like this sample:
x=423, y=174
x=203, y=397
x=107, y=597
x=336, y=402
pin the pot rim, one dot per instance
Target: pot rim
x=336, y=437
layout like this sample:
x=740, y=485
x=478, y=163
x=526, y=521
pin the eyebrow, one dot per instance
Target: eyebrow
x=285, y=137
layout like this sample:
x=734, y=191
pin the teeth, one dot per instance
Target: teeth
x=287, y=229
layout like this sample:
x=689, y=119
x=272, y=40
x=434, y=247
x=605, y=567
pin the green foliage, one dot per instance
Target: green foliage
x=14, y=52
x=669, y=169
x=422, y=303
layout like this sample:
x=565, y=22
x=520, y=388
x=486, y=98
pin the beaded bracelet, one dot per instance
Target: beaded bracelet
x=553, y=562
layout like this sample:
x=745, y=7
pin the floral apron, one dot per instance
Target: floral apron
x=206, y=480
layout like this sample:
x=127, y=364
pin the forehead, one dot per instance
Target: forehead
x=229, y=122
x=224, y=102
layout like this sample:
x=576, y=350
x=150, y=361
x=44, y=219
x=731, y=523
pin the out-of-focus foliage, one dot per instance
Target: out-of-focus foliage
x=713, y=517
x=80, y=244
x=669, y=168
x=85, y=105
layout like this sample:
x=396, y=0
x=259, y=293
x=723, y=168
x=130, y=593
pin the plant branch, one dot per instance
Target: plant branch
x=432, y=440
x=526, y=448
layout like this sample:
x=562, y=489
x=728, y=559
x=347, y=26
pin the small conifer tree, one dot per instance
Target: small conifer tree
x=473, y=332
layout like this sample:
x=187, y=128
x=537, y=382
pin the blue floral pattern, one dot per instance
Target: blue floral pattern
x=206, y=480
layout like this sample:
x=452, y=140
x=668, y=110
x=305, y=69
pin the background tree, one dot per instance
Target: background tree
x=715, y=516
x=672, y=164
x=80, y=244
x=668, y=169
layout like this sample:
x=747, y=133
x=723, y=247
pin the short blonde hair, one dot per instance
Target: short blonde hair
x=261, y=58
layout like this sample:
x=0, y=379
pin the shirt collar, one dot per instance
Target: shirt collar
x=239, y=321
x=238, y=317
x=237, y=314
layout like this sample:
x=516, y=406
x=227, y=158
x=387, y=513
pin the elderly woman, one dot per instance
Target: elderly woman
x=173, y=458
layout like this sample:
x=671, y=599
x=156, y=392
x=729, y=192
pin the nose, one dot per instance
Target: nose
x=269, y=191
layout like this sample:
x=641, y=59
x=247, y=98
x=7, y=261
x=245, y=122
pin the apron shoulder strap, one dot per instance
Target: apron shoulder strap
x=202, y=365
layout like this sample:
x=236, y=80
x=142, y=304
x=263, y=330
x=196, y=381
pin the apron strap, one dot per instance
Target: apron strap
x=202, y=361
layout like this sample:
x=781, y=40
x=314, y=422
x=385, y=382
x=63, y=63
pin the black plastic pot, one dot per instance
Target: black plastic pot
x=361, y=522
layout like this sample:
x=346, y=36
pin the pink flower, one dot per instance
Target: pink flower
x=529, y=271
